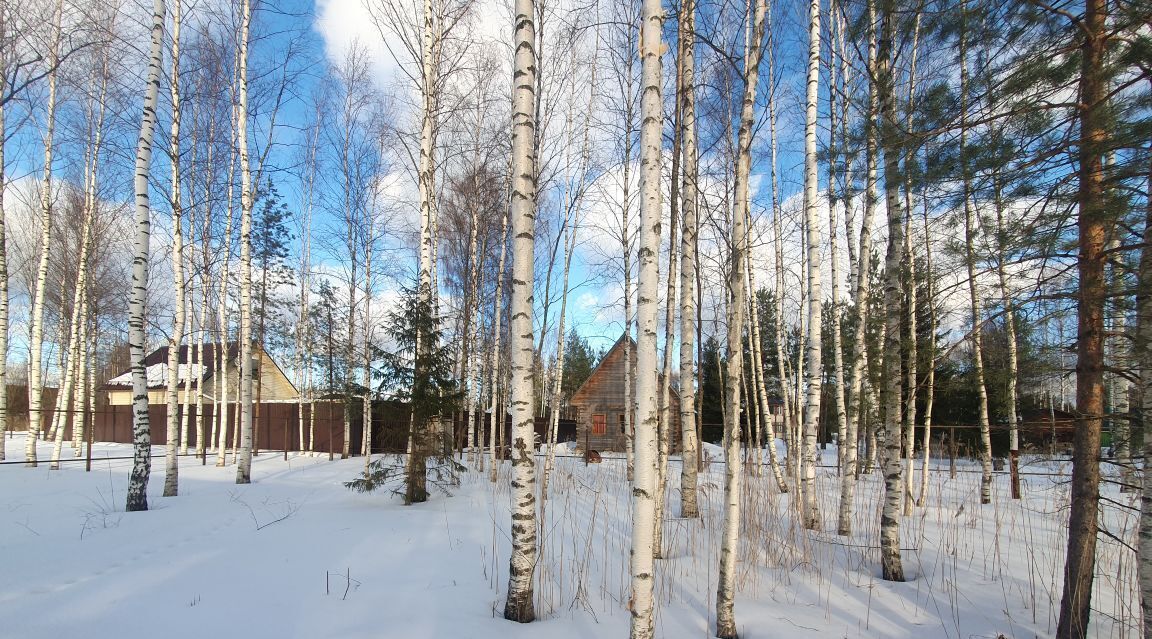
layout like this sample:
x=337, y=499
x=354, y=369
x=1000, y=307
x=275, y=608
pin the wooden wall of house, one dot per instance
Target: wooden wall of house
x=603, y=393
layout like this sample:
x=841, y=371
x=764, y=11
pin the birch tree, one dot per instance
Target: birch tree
x=889, y=438
x=171, y=458
x=648, y=253
x=810, y=507
x=137, y=498
x=856, y=413
x=973, y=287
x=36, y=321
x=497, y=422
x=689, y=227
x=522, y=562
x=244, y=458
x=733, y=471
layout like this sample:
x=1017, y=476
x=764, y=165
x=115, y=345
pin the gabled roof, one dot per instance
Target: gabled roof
x=191, y=369
x=619, y=344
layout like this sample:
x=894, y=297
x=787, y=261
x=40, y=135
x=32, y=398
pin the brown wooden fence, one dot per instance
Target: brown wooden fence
x=276, y=426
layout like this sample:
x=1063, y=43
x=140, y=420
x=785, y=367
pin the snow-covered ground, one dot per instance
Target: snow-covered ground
x=296, y=554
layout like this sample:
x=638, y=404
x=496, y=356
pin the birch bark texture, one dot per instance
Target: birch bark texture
x=810, y=516
x=861, y=294
x=522, y=562
x=171, y=458
x=244, y=458
x=973, y=288
x=36, y=321
x=889, y=438
x=647, y=254
x=689, y=196
x=137, y=497
x=733, y=473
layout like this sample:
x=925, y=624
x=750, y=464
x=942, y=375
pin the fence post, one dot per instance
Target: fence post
x=952, y=452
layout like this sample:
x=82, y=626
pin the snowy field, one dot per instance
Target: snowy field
x=298, y=555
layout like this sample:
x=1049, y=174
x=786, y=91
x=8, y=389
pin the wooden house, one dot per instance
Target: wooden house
x=599, y=402
x=196, y=369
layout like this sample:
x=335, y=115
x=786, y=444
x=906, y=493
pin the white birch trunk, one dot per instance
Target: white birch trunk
x=36, y=321
x=244, y=457
x=522, y=562
x=837, y=84
x=730, y=539
x=664, y=420
x=690, y=200
x=648, y=255
x=810, y=507
x=65, y=400
x=930, y=382
x=973, y=289
x=171, y=457
x=497, y=313
x=768, y=424
x=74, y=371
x=861, y=290
x=891, y=566
x=222, y=350
x=303, y=325
x=137, y=497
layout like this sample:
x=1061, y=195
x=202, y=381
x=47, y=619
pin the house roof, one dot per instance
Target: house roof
x=192, y=369
x=619, y=343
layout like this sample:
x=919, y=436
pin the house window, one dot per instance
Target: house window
x=599, y=424
x=623, y=426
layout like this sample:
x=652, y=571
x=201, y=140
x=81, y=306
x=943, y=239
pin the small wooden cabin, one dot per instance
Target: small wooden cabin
x=599, y=403
x=269, y=381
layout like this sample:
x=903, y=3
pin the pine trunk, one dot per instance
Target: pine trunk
x=1095, y=222
x=1143, y=359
